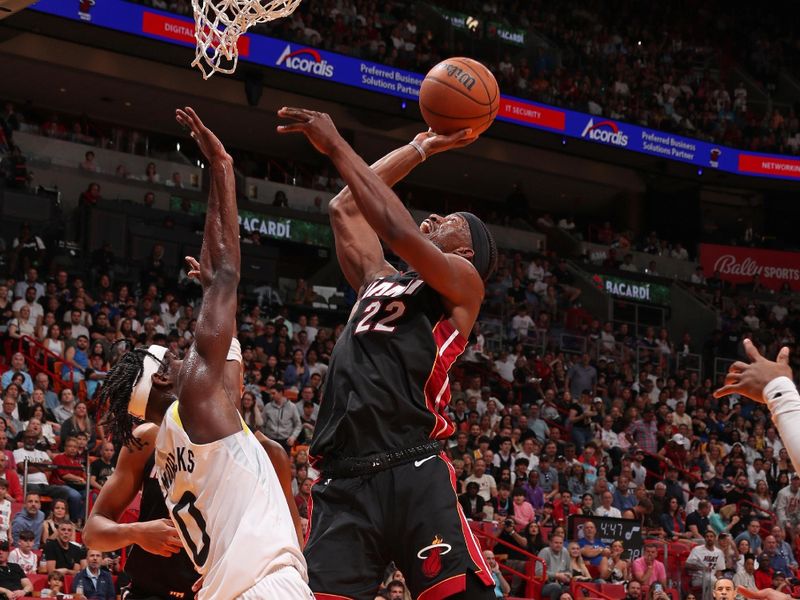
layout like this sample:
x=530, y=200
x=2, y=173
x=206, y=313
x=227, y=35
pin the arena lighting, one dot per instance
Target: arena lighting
x=563, y=141
x=403, y=105
x=699, y=172
x=178, y=146
x=472, y=23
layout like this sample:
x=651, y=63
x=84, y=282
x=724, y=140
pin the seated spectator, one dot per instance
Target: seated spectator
x=672, y=522
x=14, y=489
x=472, y=502
x=616, y=570
x=557, y=565
x=592, y=548
x=17, y=366
x=23, y=555
x=752, y=535
x=501, y=587
x=486, y=483
x=94, y=582
x=76, y=359
x=30, y=518
x=502, y=505
x=303, y=497
x=62, y=554
x=5, y=512
x=647, y=569
x=88, y=163
x=37, y=477
x=55, y=585
x=58, y=513
x=66, y=406
x=38, y=414
x=579, y=570
x=606, y=508
x=79, y=422
x=101, y=469
x=522, y=512
x=697, y=523
x=12, y=578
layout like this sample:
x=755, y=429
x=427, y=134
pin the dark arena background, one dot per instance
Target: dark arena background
x=641, y=180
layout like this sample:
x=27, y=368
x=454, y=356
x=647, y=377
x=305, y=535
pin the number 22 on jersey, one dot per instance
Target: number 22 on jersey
x=380, y=317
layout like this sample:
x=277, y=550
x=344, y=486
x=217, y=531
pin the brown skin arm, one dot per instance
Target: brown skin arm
x=280, y=460
x=452, y=275
x=205, y=416
x=357, y=246
x=103, y=532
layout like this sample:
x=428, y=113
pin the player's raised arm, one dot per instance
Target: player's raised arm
x=452, y=275
x=220, y=258
x=357, y=246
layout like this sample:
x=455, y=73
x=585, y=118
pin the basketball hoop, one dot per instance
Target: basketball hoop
x=218, y=25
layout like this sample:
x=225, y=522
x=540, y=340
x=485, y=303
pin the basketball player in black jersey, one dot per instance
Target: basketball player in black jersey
x=386, y=491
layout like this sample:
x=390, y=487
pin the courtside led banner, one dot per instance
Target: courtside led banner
x=740, y=265
x=312, y=62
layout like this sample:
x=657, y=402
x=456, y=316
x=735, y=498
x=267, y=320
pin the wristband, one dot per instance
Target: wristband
x=418, y=147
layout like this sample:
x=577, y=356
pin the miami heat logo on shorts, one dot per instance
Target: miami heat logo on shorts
x=431, y=557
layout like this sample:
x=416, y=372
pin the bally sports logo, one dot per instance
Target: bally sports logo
x=607, y=132
x=305, y=60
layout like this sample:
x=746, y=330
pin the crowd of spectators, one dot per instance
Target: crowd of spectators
x=669, y=67
x=542, y=434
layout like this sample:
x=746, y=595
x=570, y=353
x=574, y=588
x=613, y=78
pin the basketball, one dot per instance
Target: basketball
x=459, y=93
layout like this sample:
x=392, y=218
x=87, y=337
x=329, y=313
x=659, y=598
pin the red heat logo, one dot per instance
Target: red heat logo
x=431, y=557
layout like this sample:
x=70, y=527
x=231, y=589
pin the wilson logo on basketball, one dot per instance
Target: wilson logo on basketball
x=607, y=132
x=461, y=76
x=305, y=60
x=431, y=557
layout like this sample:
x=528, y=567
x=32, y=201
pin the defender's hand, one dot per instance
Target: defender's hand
x=209, y=143
x=158, y=537
x=318, y=127
x=765, y=594
x=750, y=380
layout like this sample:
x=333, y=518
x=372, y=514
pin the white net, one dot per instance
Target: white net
x=218, y=25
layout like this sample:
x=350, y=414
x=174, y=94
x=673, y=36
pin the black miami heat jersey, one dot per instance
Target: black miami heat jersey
x=151, y=575
x=387, y=386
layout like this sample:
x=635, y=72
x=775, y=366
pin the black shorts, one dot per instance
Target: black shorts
x=408, y=514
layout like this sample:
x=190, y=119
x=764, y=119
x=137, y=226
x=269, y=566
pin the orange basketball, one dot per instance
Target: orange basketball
x=459, y=93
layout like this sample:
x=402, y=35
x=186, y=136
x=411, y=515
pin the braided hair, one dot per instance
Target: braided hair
x=115, y=396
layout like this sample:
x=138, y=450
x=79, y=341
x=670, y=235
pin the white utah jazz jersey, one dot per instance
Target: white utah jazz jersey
x=228, y=506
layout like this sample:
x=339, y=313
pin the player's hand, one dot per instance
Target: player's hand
x=197, y=585
x=750, y=379
x=194, y=267
x=158, y=537
x=434, y=143
x=209, y=143
x=318, y=127
x=765, y=594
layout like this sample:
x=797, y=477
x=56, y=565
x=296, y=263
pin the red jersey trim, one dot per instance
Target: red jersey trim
x=449, y=346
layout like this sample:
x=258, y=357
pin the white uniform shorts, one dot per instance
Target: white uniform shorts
x=283, y=584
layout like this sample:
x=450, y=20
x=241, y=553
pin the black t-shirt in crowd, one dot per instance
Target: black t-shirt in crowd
x=65, y=558
x=11, y=576
x=698, y=520
x=101, y=471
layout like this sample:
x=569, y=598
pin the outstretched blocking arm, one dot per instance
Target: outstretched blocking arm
x=220, y=259
x=449, y=274
x=357, y=246
x=220, y=263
